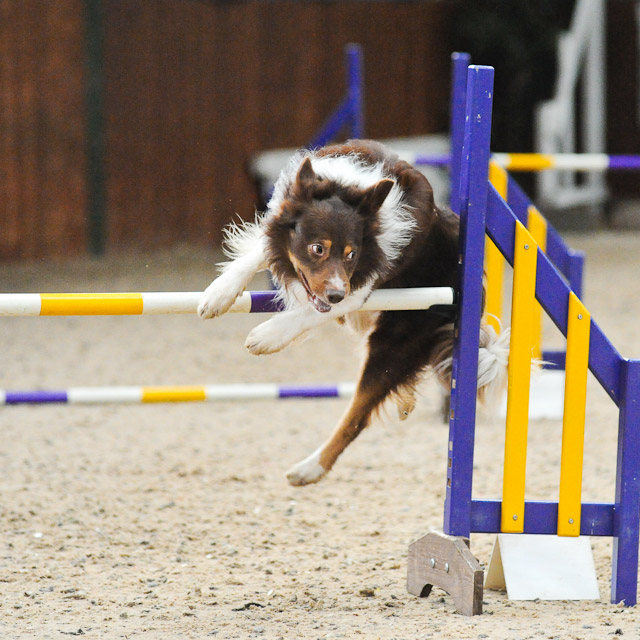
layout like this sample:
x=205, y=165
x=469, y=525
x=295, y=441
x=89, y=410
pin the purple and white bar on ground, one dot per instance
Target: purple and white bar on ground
x=204, y=393
x=168, y=302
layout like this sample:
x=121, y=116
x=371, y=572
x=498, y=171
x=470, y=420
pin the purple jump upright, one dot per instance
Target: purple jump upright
x=350, y=112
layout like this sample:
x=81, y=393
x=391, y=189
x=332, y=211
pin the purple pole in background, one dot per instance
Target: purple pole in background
x=460, y=63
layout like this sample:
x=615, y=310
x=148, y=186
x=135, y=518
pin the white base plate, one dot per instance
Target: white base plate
x=535, y=567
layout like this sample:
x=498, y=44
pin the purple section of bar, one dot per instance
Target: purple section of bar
x=35, y=397
x=264, y=302
x=440, y=160
x=624, y=162
x=292, y=391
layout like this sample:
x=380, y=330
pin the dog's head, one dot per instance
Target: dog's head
x=326, y=225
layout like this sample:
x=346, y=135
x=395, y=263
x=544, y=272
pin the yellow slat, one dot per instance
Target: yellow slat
x=90, y=304
x=173, y=394
x=519, y=377
x=575, y=397
x=494, y=262
x=537, y=226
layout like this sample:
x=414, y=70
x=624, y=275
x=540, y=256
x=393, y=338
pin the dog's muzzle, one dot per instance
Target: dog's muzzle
x=319, y=304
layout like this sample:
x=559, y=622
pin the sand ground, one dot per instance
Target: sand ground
x=175, y=521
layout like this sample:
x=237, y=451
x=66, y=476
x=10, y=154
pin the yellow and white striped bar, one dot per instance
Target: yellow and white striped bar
x=184, y=302
x=575, y=398
x=542, y=161
x=494, y=262
x=519, y=378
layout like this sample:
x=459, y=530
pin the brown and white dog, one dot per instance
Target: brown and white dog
x=345, y=220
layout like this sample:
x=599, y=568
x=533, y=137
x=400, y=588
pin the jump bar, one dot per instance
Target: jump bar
x=542, y=161
x=168, y=302
x=148, y=395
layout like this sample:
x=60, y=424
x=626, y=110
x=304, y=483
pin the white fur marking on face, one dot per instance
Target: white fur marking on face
x=336, y=282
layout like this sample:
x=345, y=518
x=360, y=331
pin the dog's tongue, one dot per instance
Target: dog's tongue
x=320, y=305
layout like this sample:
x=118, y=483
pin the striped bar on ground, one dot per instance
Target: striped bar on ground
x=171, y=302
x=187, y=393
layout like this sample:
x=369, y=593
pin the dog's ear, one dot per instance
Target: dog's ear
x=306, y=175
x=374, y=196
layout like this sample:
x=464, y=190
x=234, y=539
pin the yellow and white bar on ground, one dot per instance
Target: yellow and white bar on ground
x=542, y=161
x=519, y=378
x=575, y=399
x=183, y=302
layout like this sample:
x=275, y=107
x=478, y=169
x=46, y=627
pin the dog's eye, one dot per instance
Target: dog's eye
x=350, y=256
x=317, y=249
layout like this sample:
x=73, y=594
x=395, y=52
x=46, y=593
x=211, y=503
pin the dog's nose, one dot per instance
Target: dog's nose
x=334, y=296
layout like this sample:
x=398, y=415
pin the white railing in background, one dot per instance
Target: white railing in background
x=581, y=76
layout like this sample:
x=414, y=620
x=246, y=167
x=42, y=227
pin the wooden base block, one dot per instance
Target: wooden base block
x=437, y=559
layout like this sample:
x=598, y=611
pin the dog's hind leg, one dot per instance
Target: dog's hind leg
x=381, y=374
x=399, y=349
x=355, y=419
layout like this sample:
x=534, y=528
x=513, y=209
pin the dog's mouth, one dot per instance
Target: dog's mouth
x=319, y=304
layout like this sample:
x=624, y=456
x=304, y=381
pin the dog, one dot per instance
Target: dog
x=343, y=221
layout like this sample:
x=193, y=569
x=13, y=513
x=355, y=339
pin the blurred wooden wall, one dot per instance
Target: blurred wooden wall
x=191, y=90
x=42, y=131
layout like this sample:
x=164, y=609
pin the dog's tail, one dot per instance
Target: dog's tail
x=493, y=361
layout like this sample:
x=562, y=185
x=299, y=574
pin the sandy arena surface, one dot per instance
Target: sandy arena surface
x=175, y=521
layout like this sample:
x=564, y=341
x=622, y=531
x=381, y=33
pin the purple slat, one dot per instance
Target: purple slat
x=541, y=517
x=624, y=162
x=294, y=391
x=264, y=302
x=35, y=397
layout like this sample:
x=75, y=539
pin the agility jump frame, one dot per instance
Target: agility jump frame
x=443, y=559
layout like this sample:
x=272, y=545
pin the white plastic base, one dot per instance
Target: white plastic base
x=536, y=567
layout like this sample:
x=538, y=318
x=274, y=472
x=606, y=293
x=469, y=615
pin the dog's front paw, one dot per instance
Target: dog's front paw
x=306, y=471
x=265, y=339
x=217, y=299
